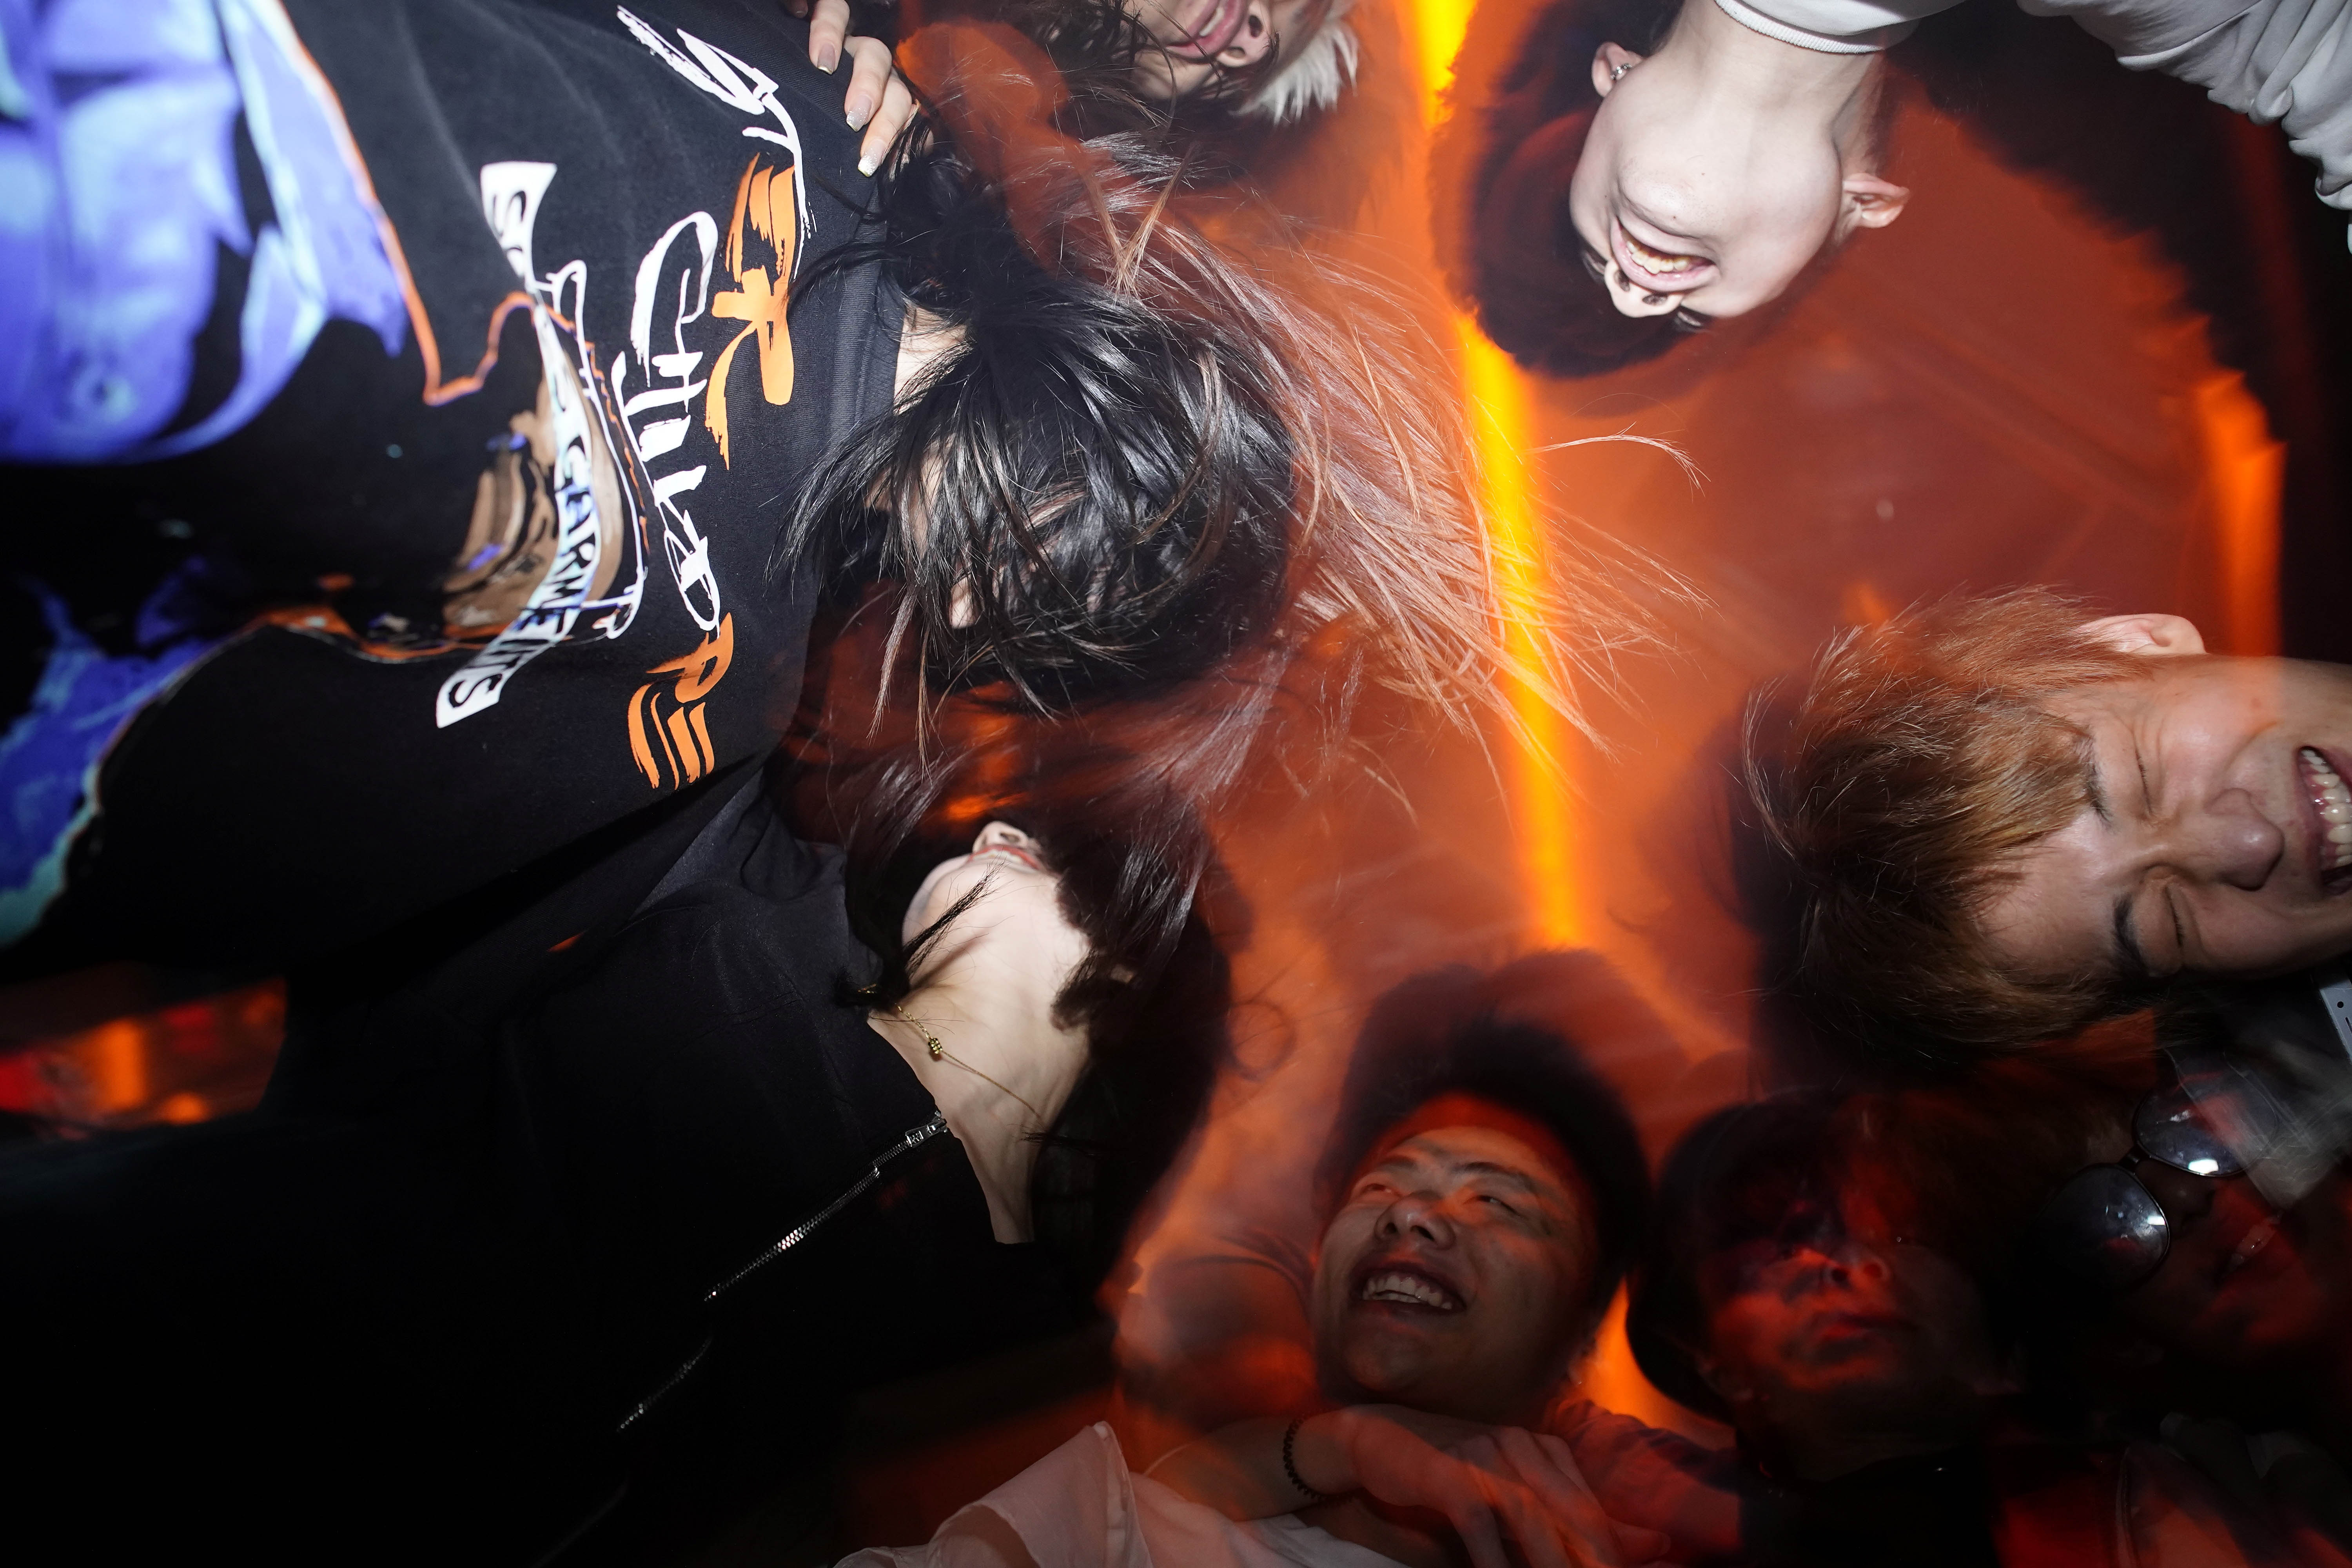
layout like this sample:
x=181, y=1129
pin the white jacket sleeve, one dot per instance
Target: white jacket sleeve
x=1078, y=1507
x=1073, y=1508
x=1834, y=27
x=2283, y=61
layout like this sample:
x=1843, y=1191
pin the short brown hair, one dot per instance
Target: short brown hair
x=1919, y=760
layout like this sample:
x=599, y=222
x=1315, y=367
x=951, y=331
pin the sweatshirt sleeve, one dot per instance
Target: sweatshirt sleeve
x=1834, y=27
x=2287, y=62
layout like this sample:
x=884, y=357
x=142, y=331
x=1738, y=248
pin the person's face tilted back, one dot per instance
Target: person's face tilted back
x=1016, y=934
x=2244, y=1287
x=1453, y=1276
x=1718, y=167
x=1836, y=1337
x=2217, y=836
x=1200, y=39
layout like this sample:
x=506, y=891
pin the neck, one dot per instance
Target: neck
x=1740, y=67
x=1826, y=1459
x=986, y=1033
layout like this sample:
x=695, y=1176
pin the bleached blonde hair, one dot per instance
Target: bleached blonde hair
x=1317, y=74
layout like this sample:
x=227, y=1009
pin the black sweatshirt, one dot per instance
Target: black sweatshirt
x=426, y=525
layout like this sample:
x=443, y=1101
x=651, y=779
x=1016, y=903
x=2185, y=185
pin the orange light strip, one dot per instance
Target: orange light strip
x=2245, y=480
x=1496, y=392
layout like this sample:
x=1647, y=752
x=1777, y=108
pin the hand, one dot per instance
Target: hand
x=877, y=97
x=1488, y=1481
x=1655, y=1478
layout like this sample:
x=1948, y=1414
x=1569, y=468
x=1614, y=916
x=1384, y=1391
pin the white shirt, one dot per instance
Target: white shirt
x=1080, y=1507
x=2275, y=61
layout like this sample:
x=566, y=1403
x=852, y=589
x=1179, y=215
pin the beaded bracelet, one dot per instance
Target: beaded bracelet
x=1290, y=1462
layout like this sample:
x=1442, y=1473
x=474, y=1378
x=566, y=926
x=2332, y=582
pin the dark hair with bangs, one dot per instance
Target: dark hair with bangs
x=1138, y=874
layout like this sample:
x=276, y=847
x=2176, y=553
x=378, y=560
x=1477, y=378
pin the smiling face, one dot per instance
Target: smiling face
x=1833, y=1329
x=1201, y=39
x=2219, y=836
x=1692, y=197
x=1014, y=930
x=1453, y=1278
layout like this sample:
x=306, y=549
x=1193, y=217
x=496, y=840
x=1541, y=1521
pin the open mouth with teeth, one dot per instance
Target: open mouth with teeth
x=2331, y=797
x=1409, y=1289
x=1660, y=266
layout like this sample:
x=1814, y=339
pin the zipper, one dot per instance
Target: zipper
x=912, y=1139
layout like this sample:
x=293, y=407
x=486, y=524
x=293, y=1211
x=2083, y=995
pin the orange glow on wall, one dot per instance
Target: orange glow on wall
x=2245, y=474
x=1498, y=399
x=1498, y=395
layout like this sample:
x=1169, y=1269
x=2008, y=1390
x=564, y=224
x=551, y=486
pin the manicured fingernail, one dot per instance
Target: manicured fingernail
x=865, y=165
x=861, y=109
x=828, y=59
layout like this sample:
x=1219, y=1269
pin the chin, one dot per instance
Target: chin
x=1381, y=1378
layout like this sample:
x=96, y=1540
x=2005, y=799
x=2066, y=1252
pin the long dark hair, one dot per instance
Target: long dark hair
x=1140, y=879
x=1102, y=472
x=1155, y=456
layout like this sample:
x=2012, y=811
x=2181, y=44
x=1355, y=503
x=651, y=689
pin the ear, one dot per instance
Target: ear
x=1871, y=202
x=2155, y=636
x=1728, y=1386
x=1610, y=61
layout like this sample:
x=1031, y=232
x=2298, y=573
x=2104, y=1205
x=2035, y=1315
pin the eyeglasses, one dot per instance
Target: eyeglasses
x=2105, y=1226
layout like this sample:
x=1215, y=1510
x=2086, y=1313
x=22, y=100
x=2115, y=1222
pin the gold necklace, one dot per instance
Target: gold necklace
x=940, y=1053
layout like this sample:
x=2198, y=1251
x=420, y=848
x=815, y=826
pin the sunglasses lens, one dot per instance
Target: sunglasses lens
x=2105, y=1228
x=2170, y=1128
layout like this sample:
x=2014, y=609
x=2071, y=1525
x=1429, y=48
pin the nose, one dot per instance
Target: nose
x=2229, y=842
x=1842, y=1262
x=1418, y=1214
x=1252, y=39
x=1002, y=834
x=2186, y=1198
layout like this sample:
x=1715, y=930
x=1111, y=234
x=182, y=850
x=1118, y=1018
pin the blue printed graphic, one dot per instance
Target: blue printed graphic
x=49, y=757
x=117, y=190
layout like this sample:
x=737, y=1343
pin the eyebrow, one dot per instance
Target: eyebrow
x=1511, y=1173
x=2130, y=960
x=2095, y=783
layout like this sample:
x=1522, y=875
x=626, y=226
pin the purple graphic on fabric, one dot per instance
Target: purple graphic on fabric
x=49, y=757
x=118, y=188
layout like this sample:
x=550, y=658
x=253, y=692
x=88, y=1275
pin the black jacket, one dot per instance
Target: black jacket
x=462, y=1280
